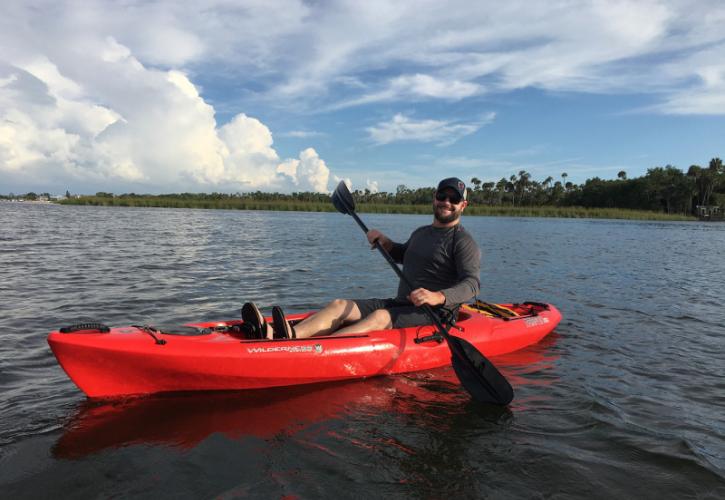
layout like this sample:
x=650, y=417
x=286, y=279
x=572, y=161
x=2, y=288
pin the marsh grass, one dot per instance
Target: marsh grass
x=314, y=206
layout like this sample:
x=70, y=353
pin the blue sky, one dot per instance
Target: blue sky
x=292, y=95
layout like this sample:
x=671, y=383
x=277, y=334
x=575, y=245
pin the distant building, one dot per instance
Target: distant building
x=710, y=212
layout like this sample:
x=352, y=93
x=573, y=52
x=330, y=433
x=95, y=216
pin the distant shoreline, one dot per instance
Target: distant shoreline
x=26, y=201
x=315, y=206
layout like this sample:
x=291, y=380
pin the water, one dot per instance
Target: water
x=625, y=399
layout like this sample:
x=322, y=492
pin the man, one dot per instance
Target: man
x=441, y=260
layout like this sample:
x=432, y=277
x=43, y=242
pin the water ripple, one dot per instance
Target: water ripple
x=626, y=399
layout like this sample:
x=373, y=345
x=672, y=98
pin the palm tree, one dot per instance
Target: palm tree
x=487, y=189
x=522, y=184
x=622, y=175
x=501, y=189
x=476, y=183
x=511, y=186
x=706, y=179
x=714, y=177
x=546, y=185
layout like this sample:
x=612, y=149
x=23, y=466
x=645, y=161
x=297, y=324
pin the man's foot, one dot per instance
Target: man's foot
x=282, y=328
x=252, y=317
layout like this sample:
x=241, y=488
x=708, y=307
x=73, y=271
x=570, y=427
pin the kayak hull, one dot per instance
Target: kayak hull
x=129, y=361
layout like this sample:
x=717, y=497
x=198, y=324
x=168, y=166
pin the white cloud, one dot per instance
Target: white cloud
x=402, y=128
x=346, y=180
x=108, y=92
x=418, y=86
x=301, y=134
x=453, y=50
x=707, y=95
x=294, y=52
x=308, y=173
x=110, y=122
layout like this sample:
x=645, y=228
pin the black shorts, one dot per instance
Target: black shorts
x=402, y=312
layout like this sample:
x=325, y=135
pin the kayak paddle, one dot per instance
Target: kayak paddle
x=477, y=374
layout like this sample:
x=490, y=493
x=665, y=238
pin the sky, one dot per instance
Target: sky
x=290, y=95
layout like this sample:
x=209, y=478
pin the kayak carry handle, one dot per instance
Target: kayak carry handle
x=93, y=327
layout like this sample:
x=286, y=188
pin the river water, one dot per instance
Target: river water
x=625, y=399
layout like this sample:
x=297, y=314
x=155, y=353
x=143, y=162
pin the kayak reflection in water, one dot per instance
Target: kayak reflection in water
x=441, y=260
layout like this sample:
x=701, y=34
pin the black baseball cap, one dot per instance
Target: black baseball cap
x=455, y=184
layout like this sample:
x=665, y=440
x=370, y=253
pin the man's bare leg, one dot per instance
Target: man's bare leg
x=334, y=315
x=377, y=320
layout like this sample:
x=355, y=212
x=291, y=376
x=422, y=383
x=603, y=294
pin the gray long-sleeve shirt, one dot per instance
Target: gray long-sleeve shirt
x=432, y=261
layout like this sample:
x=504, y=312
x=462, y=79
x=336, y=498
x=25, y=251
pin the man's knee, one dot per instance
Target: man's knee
x=381, y=319
x=339, y=304
x=345, y=310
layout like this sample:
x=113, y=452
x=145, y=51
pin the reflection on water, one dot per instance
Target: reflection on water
x=625, y=399
x=184, y=420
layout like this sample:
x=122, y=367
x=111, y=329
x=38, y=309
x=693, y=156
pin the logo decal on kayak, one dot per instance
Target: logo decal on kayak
x=317, y=348
x=536, y=321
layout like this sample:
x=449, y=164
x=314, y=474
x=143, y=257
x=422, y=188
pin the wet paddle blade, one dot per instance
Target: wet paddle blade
x=342, y=199
x=478, y=375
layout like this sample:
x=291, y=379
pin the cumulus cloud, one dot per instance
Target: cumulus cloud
x=109, y=121
x=372, y=186
x=441, y=132
x=346, y=180
x=308, y=173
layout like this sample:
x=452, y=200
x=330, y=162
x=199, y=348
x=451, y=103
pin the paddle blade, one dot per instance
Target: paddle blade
x=342, y=199
x=478, y=375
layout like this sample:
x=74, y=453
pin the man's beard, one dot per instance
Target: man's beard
x=445, y=219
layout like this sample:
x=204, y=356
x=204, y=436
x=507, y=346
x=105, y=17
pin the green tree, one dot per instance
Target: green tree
x=501, y=187
x=671, y=188
x=521, y=185
x=716, y=177
x=707, y=180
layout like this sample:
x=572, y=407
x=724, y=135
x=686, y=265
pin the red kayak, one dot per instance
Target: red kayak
x=133, y=360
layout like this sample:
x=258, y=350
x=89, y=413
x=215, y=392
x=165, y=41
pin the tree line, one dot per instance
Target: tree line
x=666, y=189
x=662, y=189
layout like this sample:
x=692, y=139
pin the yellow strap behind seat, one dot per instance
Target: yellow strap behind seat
x=491, y=310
